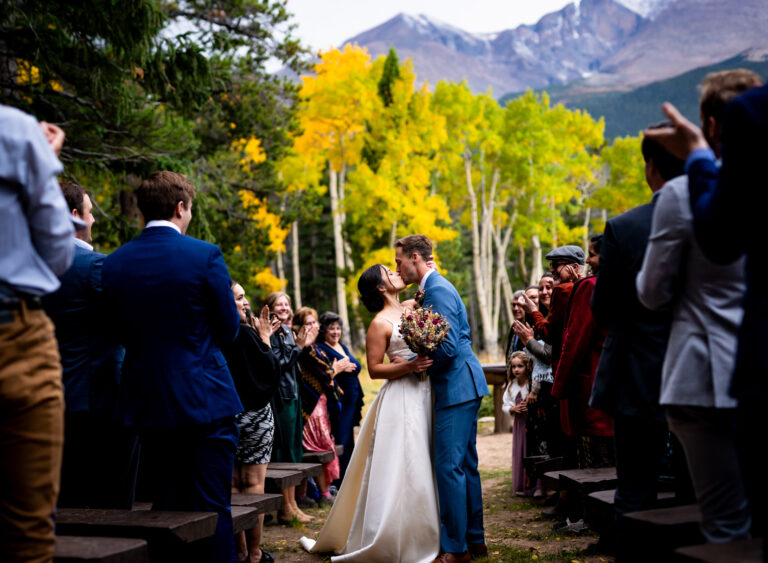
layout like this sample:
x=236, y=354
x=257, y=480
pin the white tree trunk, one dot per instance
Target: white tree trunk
x=338, y=247
x=537, y=270
x=587, y=217
x=295, y=264
x=481, y=263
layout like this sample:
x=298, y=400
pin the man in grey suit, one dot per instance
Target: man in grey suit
x=707, y=301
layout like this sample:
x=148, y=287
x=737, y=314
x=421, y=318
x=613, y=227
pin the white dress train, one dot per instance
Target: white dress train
x=387, y=507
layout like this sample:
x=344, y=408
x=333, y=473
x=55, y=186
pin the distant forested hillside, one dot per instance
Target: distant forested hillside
x=627, y=113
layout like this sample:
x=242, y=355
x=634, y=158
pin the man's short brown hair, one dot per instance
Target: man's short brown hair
x=75, y=195
x=161, y=191
x=719, y=88
x=419, y=244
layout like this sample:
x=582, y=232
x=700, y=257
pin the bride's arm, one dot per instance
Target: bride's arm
x=376, y=347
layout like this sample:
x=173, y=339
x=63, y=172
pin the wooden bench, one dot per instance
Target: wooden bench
x=168, y=533
x=244, y=515
x=71, y=549
x=279, y=479
x=261, y=503
x=496, y=375
x=244, y=518
x=318, y=457
x=656, y=533
x=599, y=512
x=308, y=469
x=742, y=551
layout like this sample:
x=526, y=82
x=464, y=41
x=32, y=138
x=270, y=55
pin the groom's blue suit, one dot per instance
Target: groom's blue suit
x=458, y=383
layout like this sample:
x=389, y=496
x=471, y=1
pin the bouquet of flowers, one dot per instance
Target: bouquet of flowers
x=423, y=331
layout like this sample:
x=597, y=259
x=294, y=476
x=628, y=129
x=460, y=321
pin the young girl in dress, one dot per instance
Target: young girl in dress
x=514, y=402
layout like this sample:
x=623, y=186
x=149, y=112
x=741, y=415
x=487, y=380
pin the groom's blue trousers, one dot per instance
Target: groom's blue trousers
x=458, y=481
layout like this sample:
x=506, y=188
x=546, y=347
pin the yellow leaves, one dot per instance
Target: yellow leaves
x=138, y=72
x=267, y=281
x=251, y=150
x=27, y=73
x=265, y=220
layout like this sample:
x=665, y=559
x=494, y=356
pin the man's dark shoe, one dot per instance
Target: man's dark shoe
x=478, y=549
x=453, y=558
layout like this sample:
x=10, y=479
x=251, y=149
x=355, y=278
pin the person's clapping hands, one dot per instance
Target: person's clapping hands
x=526, y=303
x=263, y=325
x=523, y=331
x=306, y=336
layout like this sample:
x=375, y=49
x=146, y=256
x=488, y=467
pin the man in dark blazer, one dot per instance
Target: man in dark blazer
x=458, y=385
x=174, y=308
x=629, y=373
x=728, y=206
x=100, y=456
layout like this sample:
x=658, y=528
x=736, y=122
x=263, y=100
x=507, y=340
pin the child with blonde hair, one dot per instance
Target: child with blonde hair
x=519, y=371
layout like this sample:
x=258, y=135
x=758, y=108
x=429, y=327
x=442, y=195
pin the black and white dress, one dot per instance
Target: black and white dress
x=256, y=372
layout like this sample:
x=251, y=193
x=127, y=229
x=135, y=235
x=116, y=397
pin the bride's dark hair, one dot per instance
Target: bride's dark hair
x=368, y=286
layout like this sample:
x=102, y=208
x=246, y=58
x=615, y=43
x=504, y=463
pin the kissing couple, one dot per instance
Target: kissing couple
x=417, y=443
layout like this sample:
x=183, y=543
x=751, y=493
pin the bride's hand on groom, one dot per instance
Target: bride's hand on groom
x=431, y=263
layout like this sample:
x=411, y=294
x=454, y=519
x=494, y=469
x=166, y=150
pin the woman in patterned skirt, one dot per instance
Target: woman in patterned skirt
x=256, y=372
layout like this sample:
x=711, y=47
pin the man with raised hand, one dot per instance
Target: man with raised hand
x=36, y=245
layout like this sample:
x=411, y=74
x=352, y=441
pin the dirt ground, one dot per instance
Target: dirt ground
x=515, y=530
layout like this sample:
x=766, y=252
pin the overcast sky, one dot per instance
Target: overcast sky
x=326, y=23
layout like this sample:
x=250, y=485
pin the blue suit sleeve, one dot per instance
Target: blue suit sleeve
x=224, y=318
x=604, y=297
x=718, y=196
x=443, y=301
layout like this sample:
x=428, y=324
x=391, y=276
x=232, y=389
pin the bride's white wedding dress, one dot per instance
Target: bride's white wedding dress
x=387, y=507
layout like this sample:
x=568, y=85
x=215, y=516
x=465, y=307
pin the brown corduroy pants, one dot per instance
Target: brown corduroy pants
x=31, y=434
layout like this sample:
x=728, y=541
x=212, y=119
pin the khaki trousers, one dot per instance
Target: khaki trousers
x=31, y=434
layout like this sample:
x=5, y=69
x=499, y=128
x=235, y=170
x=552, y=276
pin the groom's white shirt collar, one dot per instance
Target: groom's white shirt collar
x=162, y=223
x=423, y=281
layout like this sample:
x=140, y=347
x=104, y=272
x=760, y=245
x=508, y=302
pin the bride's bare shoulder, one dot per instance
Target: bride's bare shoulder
x=380, y=324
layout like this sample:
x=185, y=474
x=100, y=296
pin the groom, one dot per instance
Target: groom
x=458, y=383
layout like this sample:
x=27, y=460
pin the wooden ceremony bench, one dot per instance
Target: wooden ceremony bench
x=73, y=549
x=496, y=375
x=743, y=551
x=658, y=532
x=317, y=457
x=279, y=479
x=599, y=511
x=166, y=532
x=308, y=469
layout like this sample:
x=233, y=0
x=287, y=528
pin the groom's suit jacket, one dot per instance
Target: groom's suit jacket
x=174, y=309
x=456, y=375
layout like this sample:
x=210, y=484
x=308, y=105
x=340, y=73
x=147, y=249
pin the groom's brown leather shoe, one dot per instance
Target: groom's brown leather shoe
x=478, y=549
x=453, y=558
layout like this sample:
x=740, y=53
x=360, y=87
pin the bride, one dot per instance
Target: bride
x=387, y=507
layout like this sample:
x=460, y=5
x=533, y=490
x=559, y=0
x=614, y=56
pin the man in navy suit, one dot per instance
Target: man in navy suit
x=458, y=383
x=100, y=456
x=174, y=308
x=728, y=206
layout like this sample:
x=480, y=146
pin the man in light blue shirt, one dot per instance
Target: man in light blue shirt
x=36, y=244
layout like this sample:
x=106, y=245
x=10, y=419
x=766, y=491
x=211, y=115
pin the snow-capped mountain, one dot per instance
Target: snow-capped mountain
x=606, y=43
x=646, y=8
